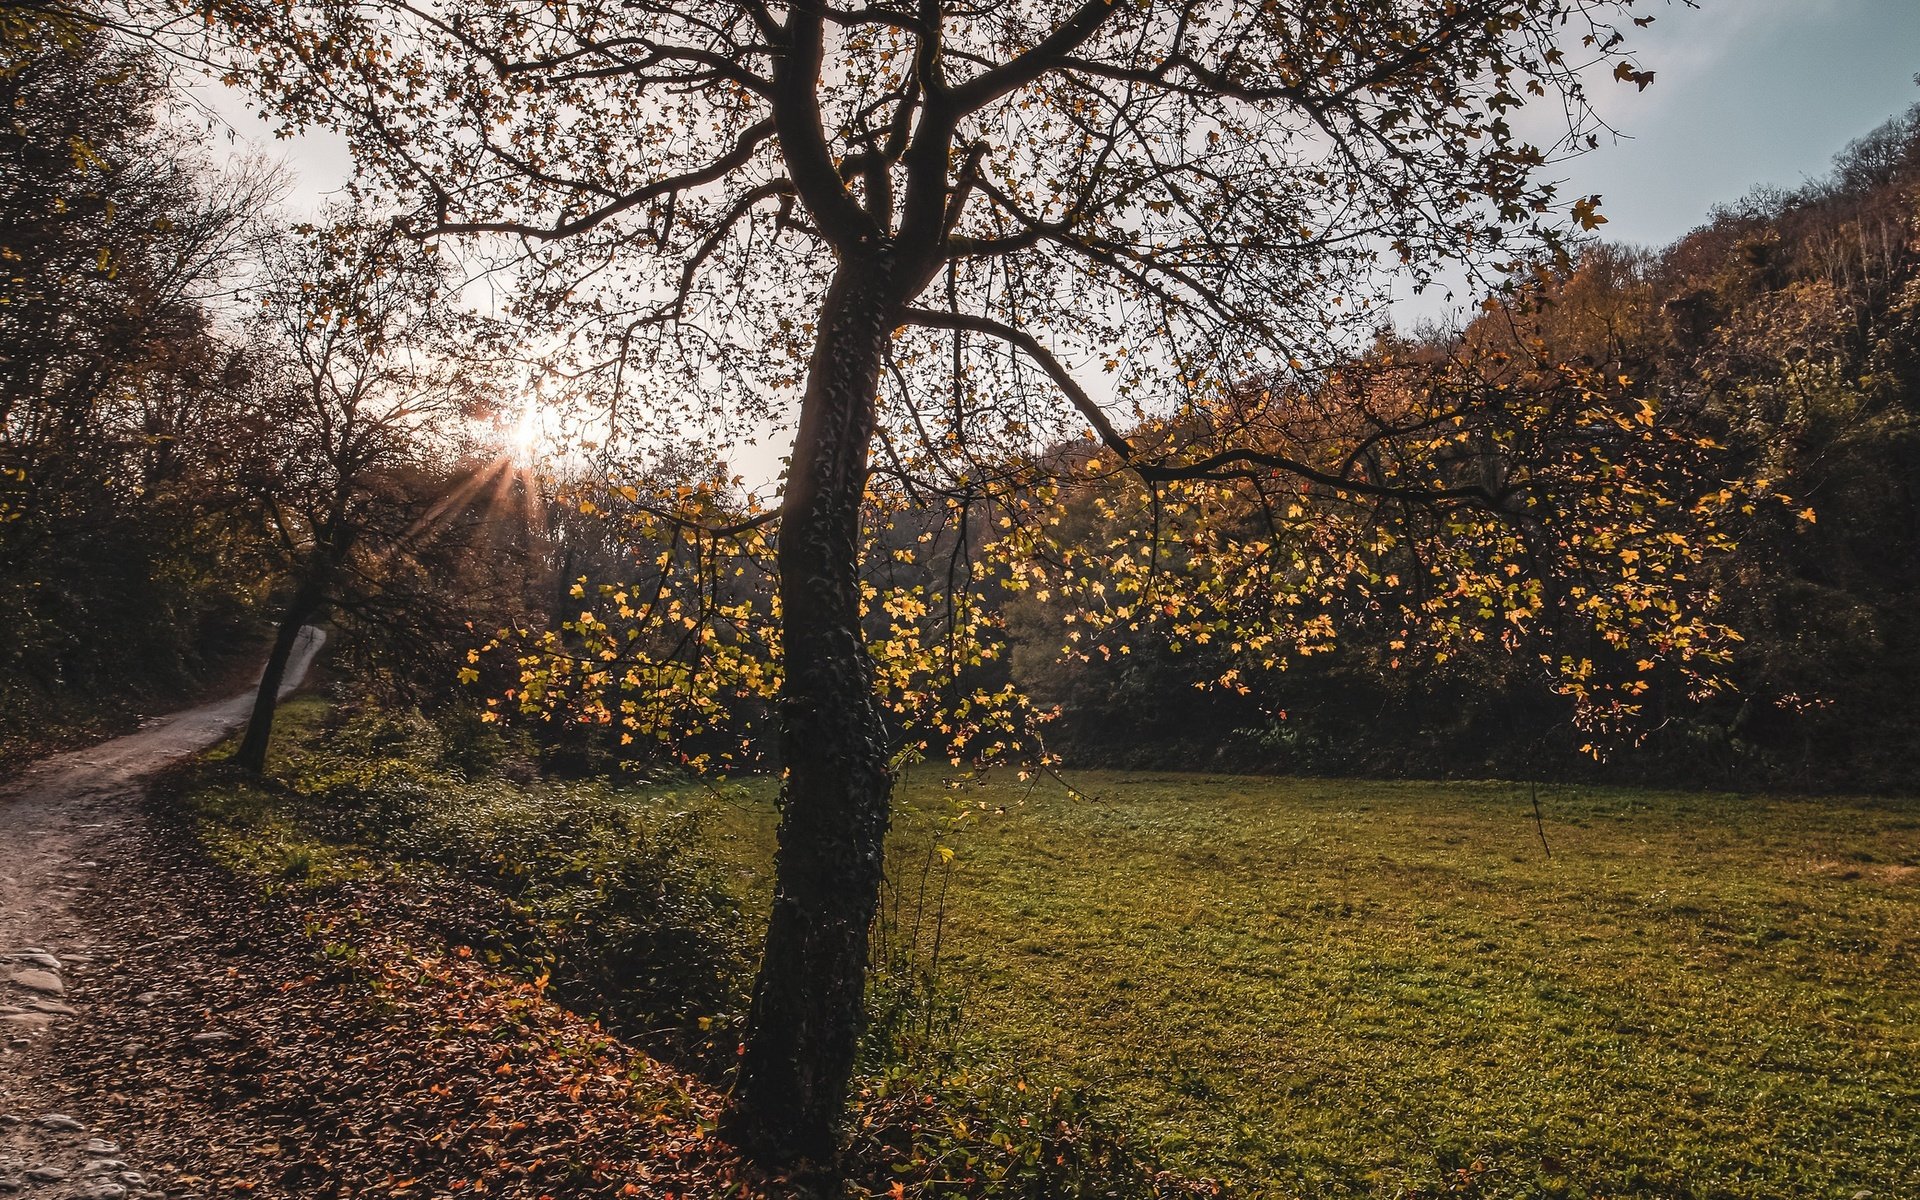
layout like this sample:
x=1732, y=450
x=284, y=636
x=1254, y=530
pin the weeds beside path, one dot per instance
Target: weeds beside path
x=301, y=1049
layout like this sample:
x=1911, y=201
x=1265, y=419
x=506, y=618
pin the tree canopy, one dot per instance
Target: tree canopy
x=1212, y=192
x=931, y=238
x=121, y=463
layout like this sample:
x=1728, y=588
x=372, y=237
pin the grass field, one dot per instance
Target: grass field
x=1319, y=988
x=1327, y=988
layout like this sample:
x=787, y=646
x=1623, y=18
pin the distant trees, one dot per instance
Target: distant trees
x=200, y=411
x=1783, y=332
x=1794, y=322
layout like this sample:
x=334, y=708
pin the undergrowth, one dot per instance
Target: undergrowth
x=610, y=898
x=607, y=895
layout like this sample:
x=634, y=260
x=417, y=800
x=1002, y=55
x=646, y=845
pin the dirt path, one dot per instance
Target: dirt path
x=60, y=821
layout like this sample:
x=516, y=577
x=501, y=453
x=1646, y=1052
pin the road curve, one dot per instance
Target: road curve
x=58, y=818
x=110, y=765
x=52, y=811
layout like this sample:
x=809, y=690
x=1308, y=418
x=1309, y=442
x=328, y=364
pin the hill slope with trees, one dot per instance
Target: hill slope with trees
x=1787, y=330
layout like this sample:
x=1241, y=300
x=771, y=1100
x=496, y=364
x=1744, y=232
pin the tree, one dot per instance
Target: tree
x=121, y=531
x=916, y=222
x=353, y=384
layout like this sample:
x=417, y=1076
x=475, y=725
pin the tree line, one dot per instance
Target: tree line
x=214, y=419
x=1786, y=329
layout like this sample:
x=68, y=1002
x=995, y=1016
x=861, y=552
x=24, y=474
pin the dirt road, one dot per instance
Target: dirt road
x=60, y=821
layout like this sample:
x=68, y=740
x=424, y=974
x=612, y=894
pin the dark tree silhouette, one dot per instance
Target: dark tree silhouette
x=352, y=382
x=124, y=553
x=888, y=215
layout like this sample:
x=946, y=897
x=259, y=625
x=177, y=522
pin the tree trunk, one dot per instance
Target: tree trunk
x=807, y=1013
x=252, y=754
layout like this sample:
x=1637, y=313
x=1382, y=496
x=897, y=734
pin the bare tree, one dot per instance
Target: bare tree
x=353, y=381
x=930, y=224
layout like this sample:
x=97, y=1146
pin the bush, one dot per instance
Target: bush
x=608, y=894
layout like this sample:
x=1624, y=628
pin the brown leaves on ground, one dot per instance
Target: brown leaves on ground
x=334, y=1059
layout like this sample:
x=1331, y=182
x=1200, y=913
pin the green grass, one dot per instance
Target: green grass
x=1327, y=988
x=1332, y=988
x=254, y=830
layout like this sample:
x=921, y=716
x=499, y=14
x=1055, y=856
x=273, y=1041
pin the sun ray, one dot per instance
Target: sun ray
x=436, y=515
x=526, y=440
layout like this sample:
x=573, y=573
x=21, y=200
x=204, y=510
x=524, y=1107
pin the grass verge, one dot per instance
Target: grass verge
x=1312, y=988
x=630, y=905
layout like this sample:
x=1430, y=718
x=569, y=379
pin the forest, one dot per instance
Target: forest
x=898, y=616
x=166, y=486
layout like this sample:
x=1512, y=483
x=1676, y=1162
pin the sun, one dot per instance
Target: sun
x=524, y=439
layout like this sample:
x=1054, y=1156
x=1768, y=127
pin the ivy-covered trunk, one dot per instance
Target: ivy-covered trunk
x=791, y=1092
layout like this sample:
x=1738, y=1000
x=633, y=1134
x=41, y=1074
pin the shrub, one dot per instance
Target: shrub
x=609, y=894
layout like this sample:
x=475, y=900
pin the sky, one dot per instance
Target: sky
x=1747, y=92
